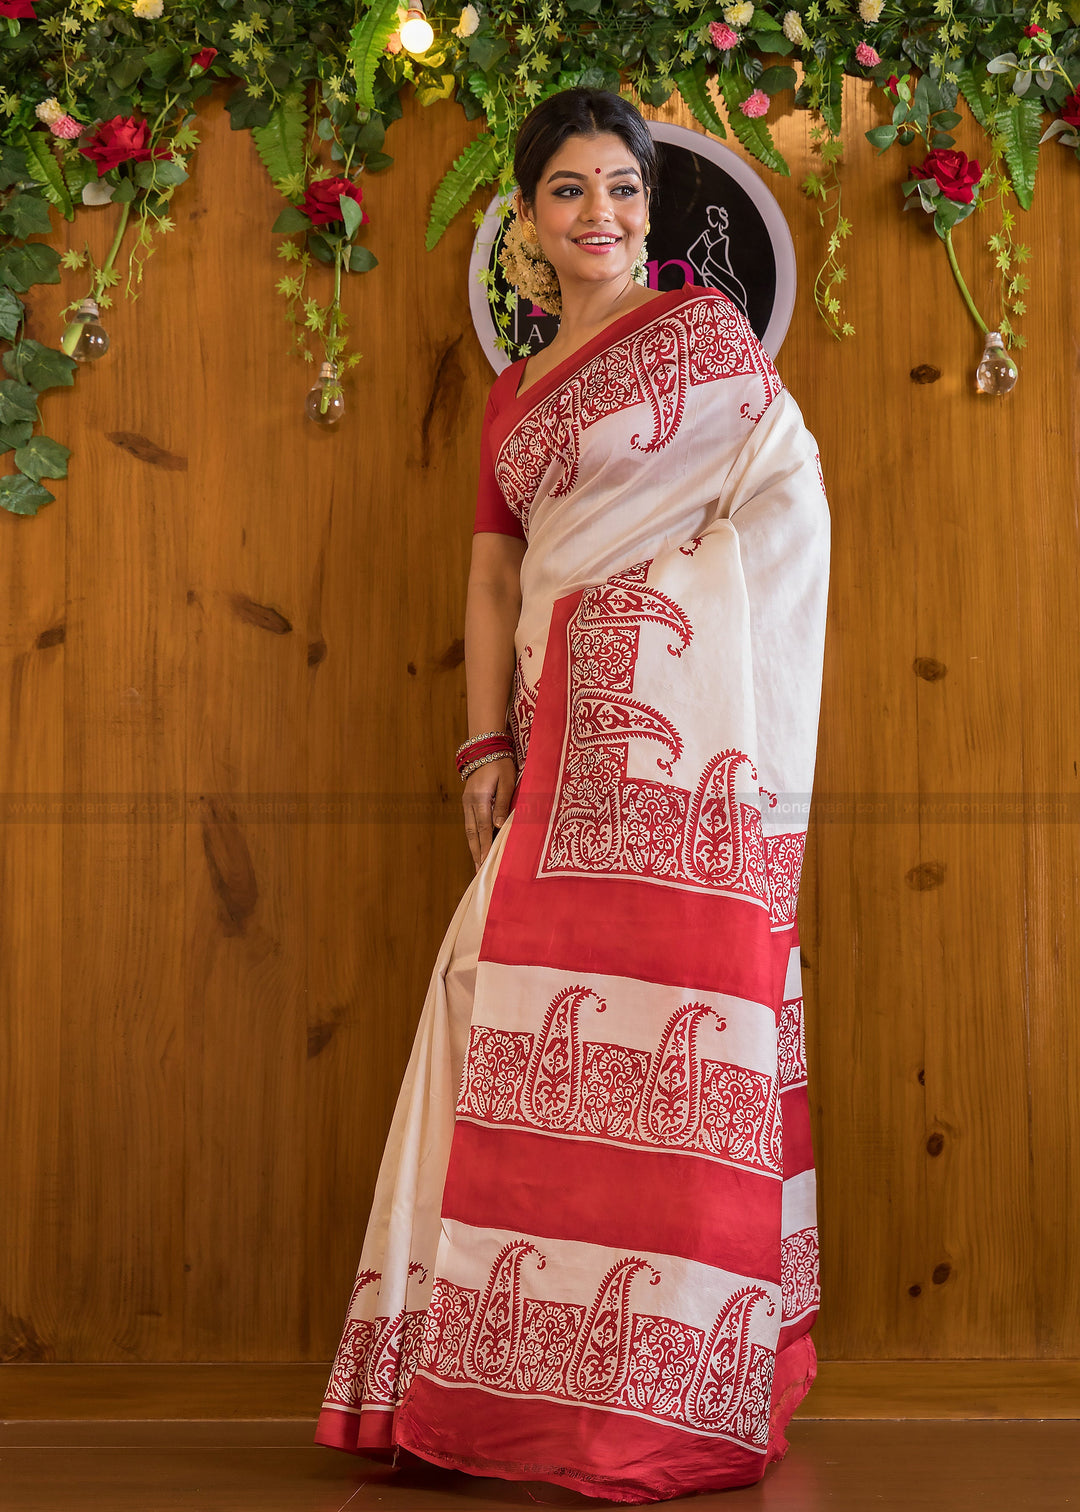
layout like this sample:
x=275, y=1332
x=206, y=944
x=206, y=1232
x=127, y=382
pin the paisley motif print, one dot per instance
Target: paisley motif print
x=799, y=1283
x=700, y=341
x=672, y=1098
x=607, y=1354
x=605, y=822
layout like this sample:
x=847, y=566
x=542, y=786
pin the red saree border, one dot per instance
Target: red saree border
x=516, y=1180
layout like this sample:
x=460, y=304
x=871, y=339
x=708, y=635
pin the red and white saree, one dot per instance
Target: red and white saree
x=592, y=1255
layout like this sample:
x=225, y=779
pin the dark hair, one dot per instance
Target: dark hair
x=579, y=112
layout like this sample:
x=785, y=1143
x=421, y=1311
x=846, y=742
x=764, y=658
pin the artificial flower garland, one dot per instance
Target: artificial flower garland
x=97, y=109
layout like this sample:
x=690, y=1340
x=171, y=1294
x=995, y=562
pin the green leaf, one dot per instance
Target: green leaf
x=291, y=219
x=78, y=171
x=17, y=433
x=832, y=96
x=367, y=43
x=881, y=137
x=22, y=496
x=485, y=51
x=246, y=112
x=124, y=192
x=361, y=260
x=753, y=134
x=17, y=402
x=12, y=311
x=30, y=264
x=969, y=88
x=1020, y=124
x=351, y=213
x=25, y=215
x=280, y=143
x=776, y=79
x=477, y=165
x=43, y=168
x=42, y=458
x=39, y=366
x=320, y=247
x=693, y=85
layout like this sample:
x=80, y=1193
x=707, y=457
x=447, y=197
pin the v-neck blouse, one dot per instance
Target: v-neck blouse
x=506, y=407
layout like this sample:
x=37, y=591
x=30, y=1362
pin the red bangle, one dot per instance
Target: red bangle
x=484, y=746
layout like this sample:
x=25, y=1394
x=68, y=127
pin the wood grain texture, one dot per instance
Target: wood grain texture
x=208, y=1002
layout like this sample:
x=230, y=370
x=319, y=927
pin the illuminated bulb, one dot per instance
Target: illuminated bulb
x=85, y=338
x=416, y=33
x=997, y=372
x=325, y=404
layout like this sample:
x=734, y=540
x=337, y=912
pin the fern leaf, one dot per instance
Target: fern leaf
x=832, y=97
x=477, y=165
x=752, y=133
x=280, y=143
x=367, y=44
x=693, y=85
x=1021, y=127
x=969, y=88
x=43, y=168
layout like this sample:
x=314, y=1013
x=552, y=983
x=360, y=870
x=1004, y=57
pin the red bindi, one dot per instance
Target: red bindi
x=596, y=170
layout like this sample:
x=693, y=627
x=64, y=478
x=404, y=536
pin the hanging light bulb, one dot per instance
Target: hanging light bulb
x=84, y=337
x=997, y=372
x=416, y=33
x=324, y=403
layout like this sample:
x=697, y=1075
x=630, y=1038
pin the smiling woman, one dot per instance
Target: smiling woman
x=592, y=1254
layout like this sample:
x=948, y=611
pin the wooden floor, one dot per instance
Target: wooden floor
x=832, y=1466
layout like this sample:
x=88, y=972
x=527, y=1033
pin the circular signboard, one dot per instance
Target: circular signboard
x=714, y=224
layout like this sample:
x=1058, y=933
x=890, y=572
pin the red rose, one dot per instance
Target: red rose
x=1070, y=111
x=953, y=171
x=1033, y=30
x=320, y=203
x=121, y=140
x=893, y=86
x=19, y=10
x=204, y=57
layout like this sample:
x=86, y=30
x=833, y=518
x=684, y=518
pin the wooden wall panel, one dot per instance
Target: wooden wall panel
x=207, y=1010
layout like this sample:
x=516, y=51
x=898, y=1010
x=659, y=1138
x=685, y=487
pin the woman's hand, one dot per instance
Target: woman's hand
x=486, y=801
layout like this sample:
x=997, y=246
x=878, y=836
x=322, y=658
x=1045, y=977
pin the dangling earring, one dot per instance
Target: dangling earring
x=639, y=272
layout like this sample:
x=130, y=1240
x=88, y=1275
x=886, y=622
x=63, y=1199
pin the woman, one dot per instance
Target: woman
x=592, y=1254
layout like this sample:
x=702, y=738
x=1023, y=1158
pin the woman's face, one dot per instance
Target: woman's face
x=590, y=209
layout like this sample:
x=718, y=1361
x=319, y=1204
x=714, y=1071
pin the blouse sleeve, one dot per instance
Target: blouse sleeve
x=492, y=511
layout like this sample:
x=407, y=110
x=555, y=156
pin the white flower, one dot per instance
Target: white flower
x=739, y=15
x=96, y=193
x=147, y=10
x=470, y=20
x=793, y=28
x=50, y=111
x=870, y=10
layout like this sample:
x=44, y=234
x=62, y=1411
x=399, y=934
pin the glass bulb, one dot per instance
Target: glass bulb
x=416, y=33
x=997, y=372
x=85, y=338
x=325, y=403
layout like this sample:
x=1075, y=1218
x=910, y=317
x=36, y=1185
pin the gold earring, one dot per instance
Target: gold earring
x=529, y=231
x=648, y=225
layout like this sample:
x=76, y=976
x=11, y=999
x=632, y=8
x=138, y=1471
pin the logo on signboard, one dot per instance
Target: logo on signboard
x=714, y=223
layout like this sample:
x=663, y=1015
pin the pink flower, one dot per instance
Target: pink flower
x=393, y=42
x=67, y=126
x=722, y=37
x=756, y=105
x=866, y=55
x=1033, y=30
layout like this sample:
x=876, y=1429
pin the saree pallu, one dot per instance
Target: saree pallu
x=592, y=1257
